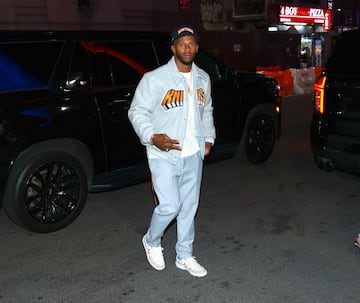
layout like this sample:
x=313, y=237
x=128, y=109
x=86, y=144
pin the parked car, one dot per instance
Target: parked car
x=335, y=126
x=64, y=129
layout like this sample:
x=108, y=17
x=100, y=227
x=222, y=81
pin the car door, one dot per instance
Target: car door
x=117, y=67
x=79, y=114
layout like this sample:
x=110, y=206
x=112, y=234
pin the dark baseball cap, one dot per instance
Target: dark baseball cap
x=184, y=30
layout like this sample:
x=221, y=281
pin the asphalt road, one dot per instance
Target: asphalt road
x=279, y=232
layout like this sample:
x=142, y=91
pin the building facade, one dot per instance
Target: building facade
x=236, y=31
x=156, y=14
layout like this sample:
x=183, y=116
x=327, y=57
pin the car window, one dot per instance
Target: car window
x=208, y=63
x=129, y=60
x=99, y=67
x=163, y=51
x=111, y=63
x=72, y=70
x=29, y=65
x=99, y=63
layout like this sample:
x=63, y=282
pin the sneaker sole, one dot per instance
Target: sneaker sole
x=179, y=266
x=154, y=265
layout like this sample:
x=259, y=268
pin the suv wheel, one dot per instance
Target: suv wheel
x=258, y=139
x=45, y=191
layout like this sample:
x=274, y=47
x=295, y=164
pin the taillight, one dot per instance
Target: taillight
x=319, y=86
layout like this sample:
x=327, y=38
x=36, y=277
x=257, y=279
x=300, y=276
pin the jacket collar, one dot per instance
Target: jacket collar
x=175, y=74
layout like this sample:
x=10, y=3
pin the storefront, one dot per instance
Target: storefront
x=311, y=23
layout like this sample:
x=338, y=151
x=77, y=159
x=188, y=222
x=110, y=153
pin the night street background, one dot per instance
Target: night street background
x=274, y=233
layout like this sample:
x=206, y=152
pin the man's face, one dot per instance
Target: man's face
x=185, y=49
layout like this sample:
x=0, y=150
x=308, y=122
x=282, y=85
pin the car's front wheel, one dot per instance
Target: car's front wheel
x=46, y=191
x=259, y=137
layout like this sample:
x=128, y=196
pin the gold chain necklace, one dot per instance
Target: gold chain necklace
x=189, y=83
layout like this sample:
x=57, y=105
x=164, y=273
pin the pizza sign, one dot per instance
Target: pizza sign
x=308, y=15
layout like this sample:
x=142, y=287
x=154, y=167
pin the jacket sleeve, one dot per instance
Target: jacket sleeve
x=208, y=119
x=141, y=109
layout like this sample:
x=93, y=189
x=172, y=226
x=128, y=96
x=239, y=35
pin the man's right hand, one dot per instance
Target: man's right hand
x=163, y=142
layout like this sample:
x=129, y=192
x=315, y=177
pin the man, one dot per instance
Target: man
x=172, y=114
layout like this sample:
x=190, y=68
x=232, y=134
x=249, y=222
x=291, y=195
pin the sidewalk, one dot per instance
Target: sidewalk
x=300, y=97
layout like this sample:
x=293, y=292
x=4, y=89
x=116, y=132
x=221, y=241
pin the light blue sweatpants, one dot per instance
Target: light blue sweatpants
x=177, y=188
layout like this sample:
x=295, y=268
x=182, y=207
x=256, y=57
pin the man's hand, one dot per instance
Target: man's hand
x=163, y=142
x=207, y=148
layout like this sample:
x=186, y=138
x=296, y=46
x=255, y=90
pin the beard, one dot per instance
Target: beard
x=183, y=61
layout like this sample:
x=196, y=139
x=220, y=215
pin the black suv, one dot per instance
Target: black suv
x=64, y=129
x=335, y=127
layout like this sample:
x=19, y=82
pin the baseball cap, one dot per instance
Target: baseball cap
x=184, y=30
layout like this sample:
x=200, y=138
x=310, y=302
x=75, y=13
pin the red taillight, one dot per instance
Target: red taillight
x=319, y=86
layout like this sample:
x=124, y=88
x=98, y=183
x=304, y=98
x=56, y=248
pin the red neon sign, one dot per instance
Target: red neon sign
x=308, y=15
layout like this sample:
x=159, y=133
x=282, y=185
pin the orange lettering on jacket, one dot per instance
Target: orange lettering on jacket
x=173, y=98
x=201, y=97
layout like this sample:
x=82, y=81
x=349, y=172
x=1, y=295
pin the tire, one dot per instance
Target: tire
x=46, y=191
x=258, y=139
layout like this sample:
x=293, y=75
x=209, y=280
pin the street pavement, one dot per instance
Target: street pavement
x=275, y=233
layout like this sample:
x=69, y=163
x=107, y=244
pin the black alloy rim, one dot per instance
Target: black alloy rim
x=52, y=193
x=261, y=139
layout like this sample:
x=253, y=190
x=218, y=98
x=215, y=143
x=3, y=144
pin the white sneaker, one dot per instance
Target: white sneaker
x=154, y=255
x=192, y=266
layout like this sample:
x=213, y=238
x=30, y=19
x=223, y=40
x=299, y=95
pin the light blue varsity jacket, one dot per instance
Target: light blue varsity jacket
x=160, y=106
